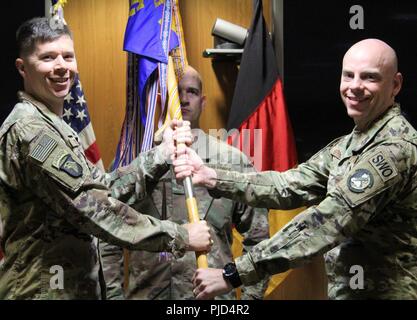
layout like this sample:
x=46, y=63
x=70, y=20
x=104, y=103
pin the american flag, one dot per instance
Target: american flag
x=77, y=116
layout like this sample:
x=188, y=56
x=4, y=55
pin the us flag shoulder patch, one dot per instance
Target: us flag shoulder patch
x=43, y=148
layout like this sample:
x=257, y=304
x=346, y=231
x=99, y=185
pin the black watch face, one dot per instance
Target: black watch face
x=229, y=269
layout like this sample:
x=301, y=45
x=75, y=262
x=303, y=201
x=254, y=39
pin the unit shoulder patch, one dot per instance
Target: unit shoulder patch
x=367, y=178
x=55, y=158
x=71, y=167
x=360, y=181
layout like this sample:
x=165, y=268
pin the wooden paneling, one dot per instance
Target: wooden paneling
x=306, y=283
x=98, y=28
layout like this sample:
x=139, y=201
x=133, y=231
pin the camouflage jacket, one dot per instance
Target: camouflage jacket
x=363, y=198
x=54, y=201
x=155, y=276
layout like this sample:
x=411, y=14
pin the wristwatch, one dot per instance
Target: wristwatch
x=231, y=274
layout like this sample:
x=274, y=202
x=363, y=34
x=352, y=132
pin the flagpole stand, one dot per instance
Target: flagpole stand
x=223, y=54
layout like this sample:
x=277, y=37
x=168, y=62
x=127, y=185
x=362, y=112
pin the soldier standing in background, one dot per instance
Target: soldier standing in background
x=159, y=276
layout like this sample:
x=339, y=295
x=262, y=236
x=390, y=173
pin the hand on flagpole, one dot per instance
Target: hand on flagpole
x=199, y=236
x=191, y=202
x=187, y=163
x=178, y=132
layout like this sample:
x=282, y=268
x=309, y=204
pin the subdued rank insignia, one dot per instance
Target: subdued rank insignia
x=71, y=167
x=360, y=180
x=43, y=149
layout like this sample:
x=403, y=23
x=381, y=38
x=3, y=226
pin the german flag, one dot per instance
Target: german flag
x=258, y=103
x=265, y=134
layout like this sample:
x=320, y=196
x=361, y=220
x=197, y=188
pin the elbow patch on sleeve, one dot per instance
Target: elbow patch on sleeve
x=50, y=154
x=367, y=178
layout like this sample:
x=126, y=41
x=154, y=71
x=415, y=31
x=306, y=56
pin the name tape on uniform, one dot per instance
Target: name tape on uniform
x=383, y=166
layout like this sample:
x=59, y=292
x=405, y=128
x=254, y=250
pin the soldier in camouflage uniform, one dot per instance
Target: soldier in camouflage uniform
x=157, y=276
x=361, y=190
x=54, y=201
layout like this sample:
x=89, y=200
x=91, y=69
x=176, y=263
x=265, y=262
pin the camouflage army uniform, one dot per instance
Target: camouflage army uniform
x=363, y=190
x=152, y=276
x=54, y=201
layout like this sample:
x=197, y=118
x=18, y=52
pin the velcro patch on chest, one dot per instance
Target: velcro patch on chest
x=43, y=148
x=383, y=166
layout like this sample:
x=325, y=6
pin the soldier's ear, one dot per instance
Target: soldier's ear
x=398, y=81
x=20, y=66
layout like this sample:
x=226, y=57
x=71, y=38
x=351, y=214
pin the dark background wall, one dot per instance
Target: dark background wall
x=316, y=36
x=14, y=13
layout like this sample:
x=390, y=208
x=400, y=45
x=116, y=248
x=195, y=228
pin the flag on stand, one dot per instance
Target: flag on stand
x=75, y=106
x=152, y=32
x=259, y=115
x=77, y=116
x=258, y=108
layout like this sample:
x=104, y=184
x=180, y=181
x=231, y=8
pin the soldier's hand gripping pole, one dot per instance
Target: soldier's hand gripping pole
x=193, y=215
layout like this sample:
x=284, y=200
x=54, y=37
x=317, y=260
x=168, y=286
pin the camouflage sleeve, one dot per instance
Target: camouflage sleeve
x=340, y=215
x=252, y=224
x=302, y=186
x=113, y=262
x=64, y=182
x=131, y=183
x=126, y=187
x=1, y=237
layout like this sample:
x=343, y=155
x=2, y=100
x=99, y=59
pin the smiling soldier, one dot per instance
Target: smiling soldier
x=361, y=190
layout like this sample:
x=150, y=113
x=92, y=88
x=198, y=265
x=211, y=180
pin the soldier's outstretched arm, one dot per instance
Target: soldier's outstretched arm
x=252, y=224
x=63, y=181
x=302, y=186
x=320, y=228
x=133, y=182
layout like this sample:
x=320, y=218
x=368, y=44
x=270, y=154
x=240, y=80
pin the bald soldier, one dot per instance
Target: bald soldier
x=361, y=190
x=159, y=276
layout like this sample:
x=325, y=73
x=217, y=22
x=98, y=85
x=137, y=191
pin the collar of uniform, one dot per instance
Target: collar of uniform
x=23, y=96
x=357, y=140
x=64, y=129
x=367, y=136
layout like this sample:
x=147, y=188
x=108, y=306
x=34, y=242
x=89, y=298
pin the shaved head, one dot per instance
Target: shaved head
x=191, y=73
x=380, y=52
x=370, y=81
x=190, y=89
